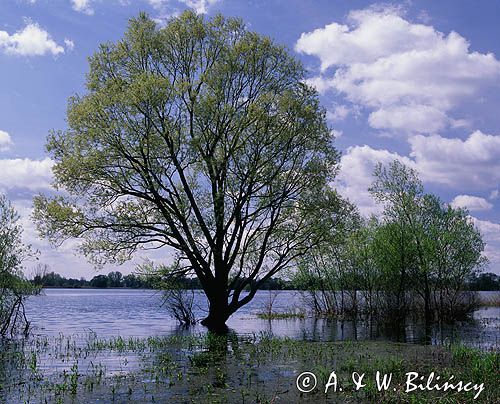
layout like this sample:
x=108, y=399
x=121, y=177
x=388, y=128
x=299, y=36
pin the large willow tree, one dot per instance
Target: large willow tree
x=201, y=137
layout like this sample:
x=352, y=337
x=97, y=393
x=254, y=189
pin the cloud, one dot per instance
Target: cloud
x=167, y=8
x=494, y=195
x=356, y=174
x=157, y=3
x=409, y=76
x=70, y=45
x=473, y=163
x=199, y=6
x=30, y=41
x=337, y=134
x=338, y=113
x=83, y=6
x=5, y=141
x=420, y=118
x=33, y=175
x=473, y=203
x=491, y=235
x=470, y=164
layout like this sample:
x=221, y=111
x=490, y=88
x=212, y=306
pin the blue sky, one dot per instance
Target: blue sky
x=415, y=80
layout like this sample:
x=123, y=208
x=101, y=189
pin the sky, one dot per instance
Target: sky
x=416, y=81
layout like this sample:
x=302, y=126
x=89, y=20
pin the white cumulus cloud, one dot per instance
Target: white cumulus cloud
x=356, y=174
x=473, y=203
x=5, y=141
x=30, y=41
x=339, y=112
x=473, y=163
x=470, y=164
x=491, y=235
x=70, y=45
x=199, y=6
x=33, y=175
x=83, y=6
x=408, y=76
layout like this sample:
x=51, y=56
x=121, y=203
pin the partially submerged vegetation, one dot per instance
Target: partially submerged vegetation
x=281, y=315
x=14, y=288
x=216, y=369
x=203, y=137
x=224, y=154
x=415, y=259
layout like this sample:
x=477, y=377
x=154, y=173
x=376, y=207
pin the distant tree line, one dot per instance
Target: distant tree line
x=487, y=281
x=114, y=279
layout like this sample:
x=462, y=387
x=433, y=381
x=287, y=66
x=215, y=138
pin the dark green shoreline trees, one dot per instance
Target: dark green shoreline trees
x=201, y=137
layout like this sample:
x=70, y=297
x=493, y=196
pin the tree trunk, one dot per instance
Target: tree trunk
x=218, y=313
x=427, y=312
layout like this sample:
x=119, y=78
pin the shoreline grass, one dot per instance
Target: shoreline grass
x=256, y=368
x=281, y=315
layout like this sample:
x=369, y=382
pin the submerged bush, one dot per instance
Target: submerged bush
x=14, y=288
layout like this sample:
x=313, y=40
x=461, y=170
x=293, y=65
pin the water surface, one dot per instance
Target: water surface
x=138, y=313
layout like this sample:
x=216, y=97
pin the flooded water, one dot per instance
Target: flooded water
x=138, y=313
x=120, y=345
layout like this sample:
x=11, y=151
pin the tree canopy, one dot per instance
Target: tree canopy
x=201, y=137
x=442, y=246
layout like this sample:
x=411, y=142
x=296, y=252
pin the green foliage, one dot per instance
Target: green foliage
x=14, y=289
x=99, y=281
x=487, y=281
x=325, y=270
x=417, y=258
x=437, y=246
x=201, y=136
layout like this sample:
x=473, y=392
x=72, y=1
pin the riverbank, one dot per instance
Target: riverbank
x=236, y=369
